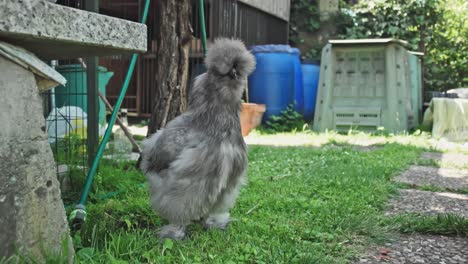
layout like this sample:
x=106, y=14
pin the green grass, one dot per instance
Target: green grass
x=440, y=164
x=26, y=256
x=428, y=162
x=302, y=205
x=139, y=137
x=322, y=202
x=431, y=188
x=443, y=224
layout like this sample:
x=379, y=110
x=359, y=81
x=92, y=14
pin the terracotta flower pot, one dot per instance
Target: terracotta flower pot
x=251, y=116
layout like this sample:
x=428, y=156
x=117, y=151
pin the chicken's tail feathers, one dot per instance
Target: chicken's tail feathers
x=148, y=151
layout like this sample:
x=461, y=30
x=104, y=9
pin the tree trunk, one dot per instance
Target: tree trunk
x=173, y=38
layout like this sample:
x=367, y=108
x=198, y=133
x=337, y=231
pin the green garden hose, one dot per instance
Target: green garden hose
x=78, y=215
x=202, y=24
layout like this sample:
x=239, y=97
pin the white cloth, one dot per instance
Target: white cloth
x=448, y=118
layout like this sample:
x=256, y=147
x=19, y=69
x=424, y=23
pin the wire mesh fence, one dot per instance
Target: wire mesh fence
x=67, y=111
x=66, y=126
x=66, y=107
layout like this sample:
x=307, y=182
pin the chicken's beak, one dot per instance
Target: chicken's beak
x=233, y=73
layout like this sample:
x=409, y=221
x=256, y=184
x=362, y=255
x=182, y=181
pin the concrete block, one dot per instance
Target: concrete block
x=32, y=217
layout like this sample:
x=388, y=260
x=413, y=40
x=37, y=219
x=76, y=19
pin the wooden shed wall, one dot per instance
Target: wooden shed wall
x=242, y=19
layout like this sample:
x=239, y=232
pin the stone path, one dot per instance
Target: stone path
x=418, y=248
x=429, y=203
x=440, y=177
x=448, y=159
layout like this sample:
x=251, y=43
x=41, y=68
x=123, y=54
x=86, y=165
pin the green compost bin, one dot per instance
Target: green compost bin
x=75, y=91
x=414, y=62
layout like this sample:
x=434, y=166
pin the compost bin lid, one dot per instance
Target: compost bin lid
x=336, y=42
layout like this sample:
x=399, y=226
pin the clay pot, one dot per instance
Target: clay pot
x=251, y=116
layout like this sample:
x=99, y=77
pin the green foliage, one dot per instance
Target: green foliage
x=438, y=28
x=315, y=52
x=70, y=150
x=396, y=19
x=446, y=60
x=304, y=17
x=288, y=121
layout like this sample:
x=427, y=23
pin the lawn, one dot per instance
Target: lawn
x=311, y=203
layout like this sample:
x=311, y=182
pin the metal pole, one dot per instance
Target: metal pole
x=107, y=134
x=92, y=96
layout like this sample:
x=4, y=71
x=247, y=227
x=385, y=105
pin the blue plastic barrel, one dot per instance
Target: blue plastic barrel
x=310, y=75
x=298, y=82
x=272, y=82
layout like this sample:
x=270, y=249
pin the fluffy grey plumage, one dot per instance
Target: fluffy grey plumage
x=196, y=164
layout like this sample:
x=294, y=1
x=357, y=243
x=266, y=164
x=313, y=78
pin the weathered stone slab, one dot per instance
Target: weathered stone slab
x=431, y=203
x=420, y=249
x=431, y=176
x=46, y=77
x=53, y=31
x=32, y=215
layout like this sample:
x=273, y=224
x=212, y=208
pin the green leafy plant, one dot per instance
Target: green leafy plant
x=288, y=121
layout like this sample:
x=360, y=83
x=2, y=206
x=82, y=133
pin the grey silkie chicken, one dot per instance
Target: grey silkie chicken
x=196, y=164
